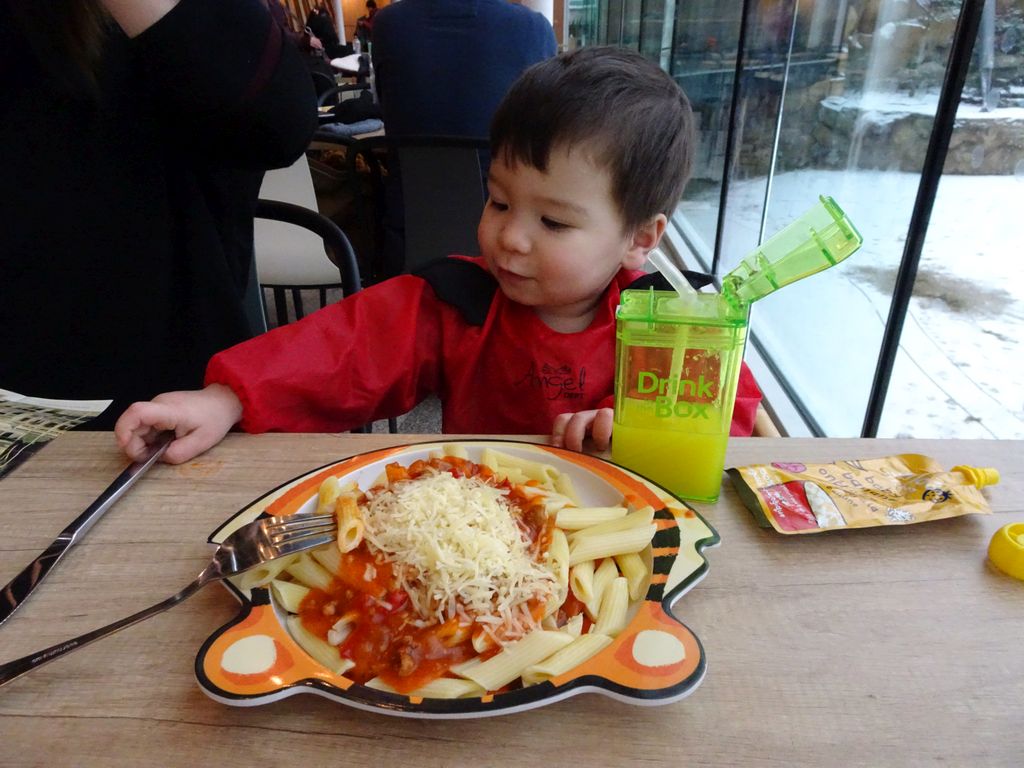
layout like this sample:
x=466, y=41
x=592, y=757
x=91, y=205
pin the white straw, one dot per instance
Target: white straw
x=675, y=278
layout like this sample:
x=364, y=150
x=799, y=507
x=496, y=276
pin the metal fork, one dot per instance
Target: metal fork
x=251, y=545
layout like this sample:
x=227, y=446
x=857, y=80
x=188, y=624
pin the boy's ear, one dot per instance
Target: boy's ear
x=645, y=238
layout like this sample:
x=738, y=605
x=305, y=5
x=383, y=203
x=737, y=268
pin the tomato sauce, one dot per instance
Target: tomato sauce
x=386, y=639
x=570, y=608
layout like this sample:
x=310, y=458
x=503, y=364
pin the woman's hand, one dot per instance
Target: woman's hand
x=570, y=429
x=198, y=418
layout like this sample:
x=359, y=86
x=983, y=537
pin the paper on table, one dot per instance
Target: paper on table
x=28, y=423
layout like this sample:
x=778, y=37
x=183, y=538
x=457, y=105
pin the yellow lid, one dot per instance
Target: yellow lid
x=979, y=476
x=1006, y=550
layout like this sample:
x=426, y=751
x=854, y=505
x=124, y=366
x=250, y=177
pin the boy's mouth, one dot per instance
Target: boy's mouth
x=509, y=277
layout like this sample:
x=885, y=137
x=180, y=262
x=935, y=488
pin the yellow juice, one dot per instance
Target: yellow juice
x=689, y=464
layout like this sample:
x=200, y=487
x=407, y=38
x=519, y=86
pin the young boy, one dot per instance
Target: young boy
x=590, y=154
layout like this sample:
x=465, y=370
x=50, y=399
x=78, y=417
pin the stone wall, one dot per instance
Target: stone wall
x=895, y=53
x=846, y=134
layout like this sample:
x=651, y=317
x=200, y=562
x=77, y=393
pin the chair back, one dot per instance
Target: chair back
x=443, y=196
x=287, y=254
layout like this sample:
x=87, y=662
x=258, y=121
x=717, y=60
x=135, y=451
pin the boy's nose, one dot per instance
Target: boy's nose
x=513, y=237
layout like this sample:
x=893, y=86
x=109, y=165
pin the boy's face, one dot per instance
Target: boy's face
x=554, y=240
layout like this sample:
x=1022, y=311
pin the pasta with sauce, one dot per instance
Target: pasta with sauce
x=459, y=582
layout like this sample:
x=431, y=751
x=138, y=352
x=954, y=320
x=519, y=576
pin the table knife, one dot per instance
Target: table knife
x=21, y=586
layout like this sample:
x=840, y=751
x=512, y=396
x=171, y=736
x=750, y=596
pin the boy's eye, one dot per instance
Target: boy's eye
x=496, y=205
x=553, y=225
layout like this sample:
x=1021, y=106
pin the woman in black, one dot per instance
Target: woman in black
x=133, y=139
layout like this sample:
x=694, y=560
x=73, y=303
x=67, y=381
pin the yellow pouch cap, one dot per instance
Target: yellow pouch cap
x=1006, y=550
x=978, y=476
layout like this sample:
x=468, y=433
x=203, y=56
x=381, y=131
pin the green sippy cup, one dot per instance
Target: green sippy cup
x=679, y=354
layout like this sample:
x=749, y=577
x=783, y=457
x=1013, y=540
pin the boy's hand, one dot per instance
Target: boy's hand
x=570, y=429
x=199, y=419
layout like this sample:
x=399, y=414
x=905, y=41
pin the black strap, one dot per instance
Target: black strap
x=470, y=288
x=465, y=285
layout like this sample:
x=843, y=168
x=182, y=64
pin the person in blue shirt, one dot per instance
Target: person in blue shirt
x=442, y=66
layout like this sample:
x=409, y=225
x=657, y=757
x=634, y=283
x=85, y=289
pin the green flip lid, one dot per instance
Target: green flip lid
x=820, y=238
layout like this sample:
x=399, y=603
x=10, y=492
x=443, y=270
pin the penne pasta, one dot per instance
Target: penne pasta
x=604, y=574
x=328, y=556
x=610, y=544
x=575, y=518
x=489, y=459
x=456, y=450
x=564, y=485
x=579, y=650
x=631, y=565
x=482, y=641
x=379, y=685
x=350, y=524
x=264, y=573
x=341, y=629
x=612, y=616
x=446, y=554
x=552, y=500
x=288, y=594
x=509, y=663
x=449, y=688
x=545, y=474
x=637, y=519
x=327, y=496
x=321, y=651
x=574, y=626
x=309, y=573
x=581, y=581
x=558, y=556
x=513, y=474
x=442, y=688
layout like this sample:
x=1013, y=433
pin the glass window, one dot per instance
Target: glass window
x=858, y=130
x=840, y=98
x=961, y=371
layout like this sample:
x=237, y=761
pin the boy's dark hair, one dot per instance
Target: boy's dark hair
x=635, y=118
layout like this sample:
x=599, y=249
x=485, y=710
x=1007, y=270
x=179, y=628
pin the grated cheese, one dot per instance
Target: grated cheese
x=459, y=550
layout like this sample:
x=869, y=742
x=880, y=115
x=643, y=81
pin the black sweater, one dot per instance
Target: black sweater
x=126, y=215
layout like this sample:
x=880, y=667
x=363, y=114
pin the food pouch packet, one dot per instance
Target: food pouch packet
x=792, y=497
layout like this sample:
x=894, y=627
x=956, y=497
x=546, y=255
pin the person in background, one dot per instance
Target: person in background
x=441, y=67
x=133, y=139
x=321, y=25
x=591, y=152
x=364, y=24
x=305, y=42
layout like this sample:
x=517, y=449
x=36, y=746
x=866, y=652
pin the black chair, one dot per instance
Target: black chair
x=294, y=271
x=332, y=95
x=425, y=198
x=442, y=194
x=304, y=279
x=322, y=81
x=360, y=193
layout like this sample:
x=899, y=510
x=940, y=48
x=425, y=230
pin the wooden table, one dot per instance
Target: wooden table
x=896, y=646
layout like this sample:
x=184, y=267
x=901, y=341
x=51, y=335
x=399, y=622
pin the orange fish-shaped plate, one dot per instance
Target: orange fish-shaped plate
x=656, y=659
